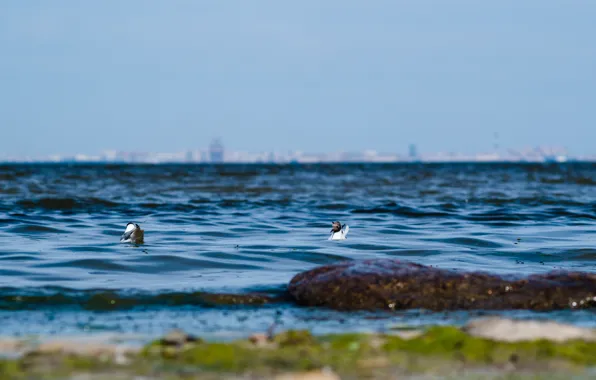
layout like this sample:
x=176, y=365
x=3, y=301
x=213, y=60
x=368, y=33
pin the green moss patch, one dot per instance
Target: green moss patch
x=453, y=343
x=439, y=351
x=438, y=346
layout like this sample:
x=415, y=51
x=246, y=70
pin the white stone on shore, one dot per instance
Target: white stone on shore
x=511, y=330
x=324, y=374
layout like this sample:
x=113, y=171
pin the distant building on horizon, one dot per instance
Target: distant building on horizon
x=413, y=152
x=216, y=151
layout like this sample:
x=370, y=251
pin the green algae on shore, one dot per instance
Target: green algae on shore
x=300, y=350
x=438, y=350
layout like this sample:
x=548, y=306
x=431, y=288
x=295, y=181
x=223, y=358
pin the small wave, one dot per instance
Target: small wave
x=403, y=211
x=66, y=204
x=334, y=206
x=88, y=248
x=581, y=254
x=230, y=256
x=36, y=229
x=526, y=201
x=170, y=263
x=506, y=214
x=586, y=181
x=104, y=300
x=18, y=257
x=468, y=242
x=95, y=264
x=398, y=231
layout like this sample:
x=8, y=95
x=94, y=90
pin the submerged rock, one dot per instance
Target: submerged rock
x=393, y=284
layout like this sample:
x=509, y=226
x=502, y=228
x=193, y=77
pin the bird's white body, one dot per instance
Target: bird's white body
x=341, y=234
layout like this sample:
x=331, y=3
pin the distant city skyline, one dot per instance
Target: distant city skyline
x=217, y=153
x=336, y=76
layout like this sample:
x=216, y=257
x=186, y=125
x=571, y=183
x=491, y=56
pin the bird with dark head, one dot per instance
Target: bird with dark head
x=335, y=227
x=338, y=231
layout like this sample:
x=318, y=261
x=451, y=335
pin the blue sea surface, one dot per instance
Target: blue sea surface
x=250, y=228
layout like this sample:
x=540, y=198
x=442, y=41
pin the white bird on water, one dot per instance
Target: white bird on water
x=338, y=231
x=132, y=234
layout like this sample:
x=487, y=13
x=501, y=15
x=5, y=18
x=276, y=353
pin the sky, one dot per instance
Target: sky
x=311, y=75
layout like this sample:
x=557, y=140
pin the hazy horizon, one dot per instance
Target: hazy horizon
x=316, y=77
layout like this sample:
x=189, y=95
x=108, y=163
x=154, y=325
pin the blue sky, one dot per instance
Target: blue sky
x=141, y=75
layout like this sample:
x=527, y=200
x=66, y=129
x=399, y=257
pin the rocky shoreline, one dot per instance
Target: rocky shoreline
x=493, y=347
x=484, y=348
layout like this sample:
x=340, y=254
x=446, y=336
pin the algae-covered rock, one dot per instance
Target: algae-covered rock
x=393, y=284
x=223, y=299
x=110, y=300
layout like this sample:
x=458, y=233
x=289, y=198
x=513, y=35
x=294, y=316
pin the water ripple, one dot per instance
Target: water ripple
x=240, y=227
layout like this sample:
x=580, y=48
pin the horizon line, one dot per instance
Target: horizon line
x=289, y=163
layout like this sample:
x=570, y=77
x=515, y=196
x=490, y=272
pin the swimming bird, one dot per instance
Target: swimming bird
x=338, y=231
x=132, y=234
